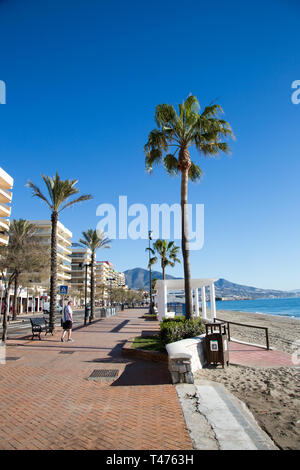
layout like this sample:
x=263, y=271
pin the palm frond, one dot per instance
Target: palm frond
x=171, y=164
x=84, y=197
x=154, y=157
x=214, y=148
x=36, y=192
x=195, y=172
x=157, y=139
x=152, y=261
x=165, y=116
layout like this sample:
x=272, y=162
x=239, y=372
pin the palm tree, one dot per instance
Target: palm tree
x=169, y=143
x=94, y=240
x=59, y=192
x=167, y=251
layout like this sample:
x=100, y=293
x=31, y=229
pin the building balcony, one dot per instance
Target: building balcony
x=65, y=267
x=5, y=211
x=3, y=239
x=64, y=258
x=63, y=231
x=80, y=257
x=64, y=249
x=63, y=239
x=63, y=276
x=6, y=181
x=5, y=196
x=4, y=225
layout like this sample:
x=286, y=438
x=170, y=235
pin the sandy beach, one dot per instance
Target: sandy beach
x=283, y=331
x=272, y=394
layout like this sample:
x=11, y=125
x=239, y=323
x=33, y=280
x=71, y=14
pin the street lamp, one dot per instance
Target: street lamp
x=86, y=266
x=111, y=279
x=150, y=274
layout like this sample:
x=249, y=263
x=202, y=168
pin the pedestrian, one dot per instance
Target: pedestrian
x=67, y=321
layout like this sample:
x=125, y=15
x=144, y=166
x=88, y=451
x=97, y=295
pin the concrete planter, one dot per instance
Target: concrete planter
x=186, y=357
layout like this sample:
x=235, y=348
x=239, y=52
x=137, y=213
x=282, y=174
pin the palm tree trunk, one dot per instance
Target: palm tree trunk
x=53, y=278
x=92, y=287
x=163, y=270
x=184, y=244
x=15, y=301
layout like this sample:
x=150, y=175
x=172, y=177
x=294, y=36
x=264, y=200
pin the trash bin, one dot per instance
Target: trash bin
x=103, y=312
x=216, y=344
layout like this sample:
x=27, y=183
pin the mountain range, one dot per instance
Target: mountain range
x=138, y=278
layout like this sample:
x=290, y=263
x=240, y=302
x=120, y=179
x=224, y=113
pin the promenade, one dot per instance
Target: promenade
x=48, y=401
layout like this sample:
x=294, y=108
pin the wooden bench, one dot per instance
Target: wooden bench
x=38, y=325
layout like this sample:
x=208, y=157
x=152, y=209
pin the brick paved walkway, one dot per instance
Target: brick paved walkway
x=46, y=401
x=253, y=356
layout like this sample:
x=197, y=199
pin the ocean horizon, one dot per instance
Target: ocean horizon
x=285, y=307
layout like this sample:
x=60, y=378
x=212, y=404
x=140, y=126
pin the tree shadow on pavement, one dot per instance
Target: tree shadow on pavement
x=135, y=373
x=143, y=373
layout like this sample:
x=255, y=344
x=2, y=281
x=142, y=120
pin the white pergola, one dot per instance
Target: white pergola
x=162, y=288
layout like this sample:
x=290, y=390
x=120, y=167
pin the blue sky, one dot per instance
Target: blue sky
x=83, y=79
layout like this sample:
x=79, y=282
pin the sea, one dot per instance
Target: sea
x=286, y=307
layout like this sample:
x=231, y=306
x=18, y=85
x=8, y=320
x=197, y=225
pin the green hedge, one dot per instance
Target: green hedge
x=178, y=328
x=175, y=319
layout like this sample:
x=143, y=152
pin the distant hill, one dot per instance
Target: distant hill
x=138, y=278
x=226, y=288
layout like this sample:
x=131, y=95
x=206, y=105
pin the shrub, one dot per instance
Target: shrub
x=172, y=330
x=175, y=319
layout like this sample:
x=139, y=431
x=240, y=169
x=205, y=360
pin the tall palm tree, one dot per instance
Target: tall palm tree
x=59, y=192
x=167, y=251
x=94, y=240
x=169, y=143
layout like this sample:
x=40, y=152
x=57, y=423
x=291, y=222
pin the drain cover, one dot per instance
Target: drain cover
x=66, y=352
x=104, y=373
x=12, y=358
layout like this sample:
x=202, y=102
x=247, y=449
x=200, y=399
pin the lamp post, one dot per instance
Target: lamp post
x=150, y=274
x=86, y=266
x=111, y=279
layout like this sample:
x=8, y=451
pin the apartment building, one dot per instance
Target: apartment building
x=120, y=279
x=33, y=296
x=64, y=243
x=103, y=272
x=106, y=275
x=6, y=185
x=80, y=256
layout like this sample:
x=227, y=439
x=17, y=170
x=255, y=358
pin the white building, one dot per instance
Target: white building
x=80, y=257
x=64, y=243
x=6, y=185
